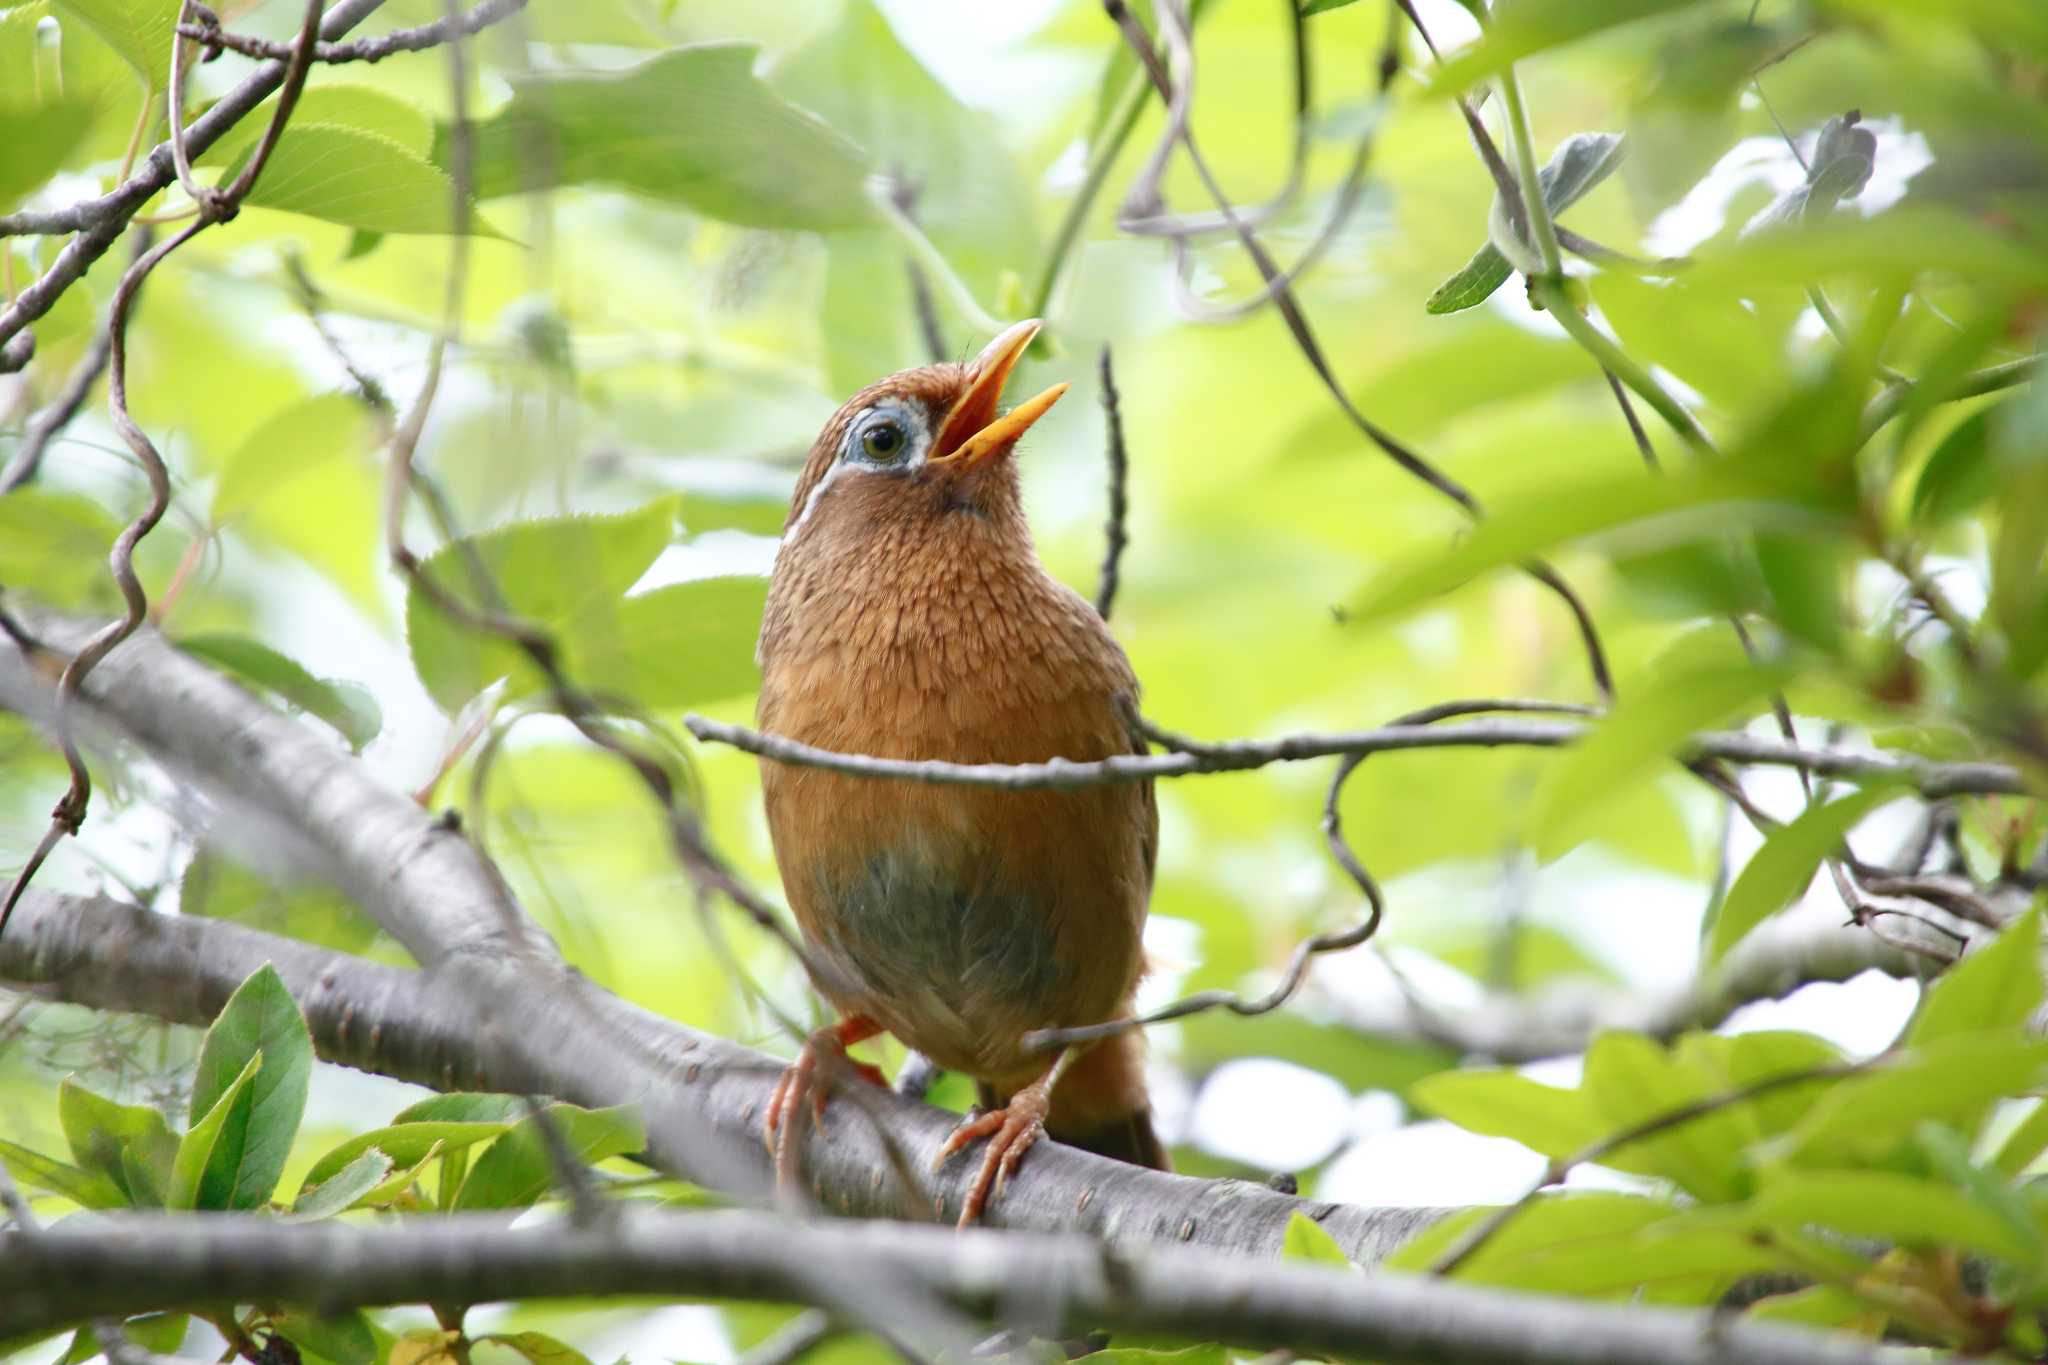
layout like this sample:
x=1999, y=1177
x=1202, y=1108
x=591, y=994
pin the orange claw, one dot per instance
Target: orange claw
x=1011, y=1131
x=809, y=1077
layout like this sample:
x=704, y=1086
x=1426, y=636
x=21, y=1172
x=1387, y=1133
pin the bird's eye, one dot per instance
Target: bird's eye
x=883, y=441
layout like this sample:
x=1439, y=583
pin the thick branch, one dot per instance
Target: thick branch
x=501, y=1010
x=1930, y=778
x=1050, y=1284
x=693, y=1088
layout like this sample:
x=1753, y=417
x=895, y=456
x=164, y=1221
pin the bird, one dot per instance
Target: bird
x=910, y=617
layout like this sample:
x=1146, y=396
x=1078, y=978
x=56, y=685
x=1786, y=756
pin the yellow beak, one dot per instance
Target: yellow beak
x=972, y=431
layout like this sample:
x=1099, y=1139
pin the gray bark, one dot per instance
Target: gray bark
x=1047, y=1284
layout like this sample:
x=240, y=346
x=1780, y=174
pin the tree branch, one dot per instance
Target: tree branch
x=1770, y=963
x=416, y=39
x=1047, y=1284
x=499, y=1009
x=99, y=222
x=1928, y=777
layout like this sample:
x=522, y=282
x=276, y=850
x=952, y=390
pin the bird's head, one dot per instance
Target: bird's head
x=925, y=444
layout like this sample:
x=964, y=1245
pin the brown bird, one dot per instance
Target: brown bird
x=910, y=617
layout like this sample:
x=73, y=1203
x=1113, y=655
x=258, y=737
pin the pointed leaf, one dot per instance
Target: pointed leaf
x=406, y=1144
x=1779, y=872
x=568, y=574
x=1996, y=987
x=1308, y=1240
x=516, y=1169
x=342, y=1189
x=204, y=1174
x=348, y=707
x=693, y=125
x=88, y=1189
x=1643, y=732
x=359, y=179
x=260, y=1019
x=101, y=1132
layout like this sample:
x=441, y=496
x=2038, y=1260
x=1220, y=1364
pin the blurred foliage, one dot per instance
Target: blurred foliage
x=677, y=266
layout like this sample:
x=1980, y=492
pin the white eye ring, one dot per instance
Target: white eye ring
x=890, y=437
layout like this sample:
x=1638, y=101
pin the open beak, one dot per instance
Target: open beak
x=972, y=432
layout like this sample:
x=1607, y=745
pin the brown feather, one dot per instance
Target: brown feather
x=910, y=617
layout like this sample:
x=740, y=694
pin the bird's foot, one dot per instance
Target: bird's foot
x=1011, y=1131
x=810, y=1078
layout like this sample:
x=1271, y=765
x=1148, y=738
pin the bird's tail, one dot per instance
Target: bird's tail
x=1100, y=1104
x=1127, y=1139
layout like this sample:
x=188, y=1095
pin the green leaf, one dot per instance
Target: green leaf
x=1955, y=1081
x=40, y=139
x=1501, y=1103
x=1631, y=1080
x=365, y=108
x=681, y=645
x=1142, y=1355
x=342, y=1189
x=1324, y=6
x=344, y=1338
x=349, y=707
x=1654, y=717
x=208, y=1165
x=217, y=885
x=260, y=1019
x=88, y=1189
x=539, y=1348
x=566, y=574
x=54, y=544
x=359, y=179
x=406, y=1144
x=463, y=1107
x=1487, y=271
x=158, y=1333
x=1959, y=476
x=1804, y=576
x=312, y=454
x=1779, y=872
x=693, y=125
x=756, y=514
x=1594, y=1244
x=1989, y=1196
x=139, y=31
x=1996, y=987
x=516, y=1170
x=1903, y=1209
x=2024, y=1144
x=1308, y=1240
x=1822, y=1305
x=1531, y=26
x=101, y=1132
x=1580, y=162
x=1737, y=494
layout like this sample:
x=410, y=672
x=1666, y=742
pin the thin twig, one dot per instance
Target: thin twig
x=70, y=400
x=1115, y=538
x=358, y=49
x=1329, y=941
x=69, y=813
x=904, y=189
x=1174, y=26
x=587, y=1207
x=1928, y=777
